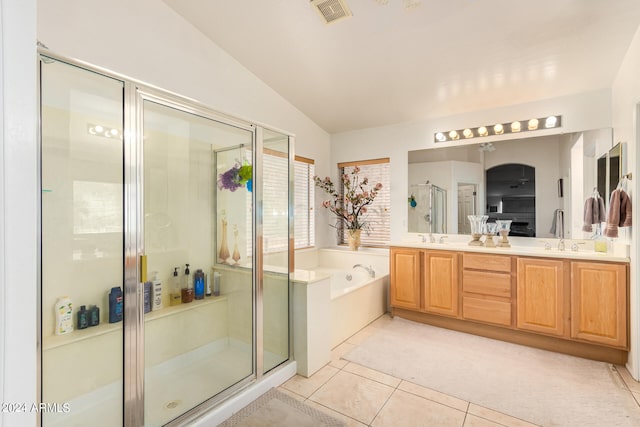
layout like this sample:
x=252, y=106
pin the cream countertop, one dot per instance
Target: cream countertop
x=520, y=246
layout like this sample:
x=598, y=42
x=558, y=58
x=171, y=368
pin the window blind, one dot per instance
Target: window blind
x=304, y=218
x=378, y=213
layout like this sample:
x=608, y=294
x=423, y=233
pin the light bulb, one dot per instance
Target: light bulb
x=468, y=133
x=440, y=137
x=498, y=129
x=98, y=129
x=482, y=131
x=515, y=127
x=533, y=124
x=454, y=135
x=551, y=122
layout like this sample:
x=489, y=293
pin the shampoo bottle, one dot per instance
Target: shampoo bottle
x=198, y=284
x=157, y=292
x=94, y=315
x=115, y=305
x=148, y=286
x=216, y=284
x=175, y=297
x=64, y=315
x=83, y=318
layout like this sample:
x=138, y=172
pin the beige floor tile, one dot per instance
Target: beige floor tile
x=307, y=386
x=498, y=417
x=636, y=396
x=292, y=394
x=352, y=395
x=381, y=321
x=406, y=409
x=628, y=379
x=361, y=335
x=434, y=395
x=372, y=375
x=338, y=363
x=341, y=350
x=474, y=421
x=350, y=422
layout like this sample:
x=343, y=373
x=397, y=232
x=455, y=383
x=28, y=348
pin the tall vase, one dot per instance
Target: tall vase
x=236, y=253
x=223, y=254
x=354, y=239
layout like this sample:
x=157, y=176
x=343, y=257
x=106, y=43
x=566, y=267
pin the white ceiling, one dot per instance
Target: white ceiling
x=387, y=65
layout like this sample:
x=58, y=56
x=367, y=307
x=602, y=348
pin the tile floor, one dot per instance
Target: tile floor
x=363, y=397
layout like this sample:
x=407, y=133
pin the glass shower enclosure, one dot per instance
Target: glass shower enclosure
x=166, y=251
x=428, y=211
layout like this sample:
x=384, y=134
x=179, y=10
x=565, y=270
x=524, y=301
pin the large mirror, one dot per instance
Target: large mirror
x=539, y=183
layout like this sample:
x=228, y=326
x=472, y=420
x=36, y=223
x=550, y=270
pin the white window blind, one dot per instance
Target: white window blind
x=304, y=223
x=378, y=213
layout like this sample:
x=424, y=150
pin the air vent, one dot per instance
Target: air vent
x=331, y=10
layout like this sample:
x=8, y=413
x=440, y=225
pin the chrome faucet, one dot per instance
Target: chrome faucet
x=369, y=269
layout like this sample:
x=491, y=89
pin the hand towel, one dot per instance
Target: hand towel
x=594, y=213
x=619, y=213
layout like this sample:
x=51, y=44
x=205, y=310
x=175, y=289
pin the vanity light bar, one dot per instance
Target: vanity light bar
x=500, y=129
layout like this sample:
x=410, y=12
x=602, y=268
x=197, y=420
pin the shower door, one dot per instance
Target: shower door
x=166, y=249
x=198, y=339
x=82, y=234
x=276, y=222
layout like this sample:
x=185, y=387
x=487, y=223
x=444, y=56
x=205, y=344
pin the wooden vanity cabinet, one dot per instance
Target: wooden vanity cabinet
x=599, y=303
x=578, y=307
x=405, y=278
x=441, y=283
x=542, y=296
x=487, y=288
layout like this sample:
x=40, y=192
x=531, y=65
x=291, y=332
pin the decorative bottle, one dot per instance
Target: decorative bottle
x=223, y=254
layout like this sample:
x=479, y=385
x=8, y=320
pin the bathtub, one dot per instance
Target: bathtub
x=356, y=300
x=333, y=300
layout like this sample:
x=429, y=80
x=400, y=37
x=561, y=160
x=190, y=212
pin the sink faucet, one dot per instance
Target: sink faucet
x=369, y=269
x=442, y=238
x=561, y=245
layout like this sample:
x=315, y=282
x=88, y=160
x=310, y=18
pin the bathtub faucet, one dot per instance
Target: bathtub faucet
x=369, y=269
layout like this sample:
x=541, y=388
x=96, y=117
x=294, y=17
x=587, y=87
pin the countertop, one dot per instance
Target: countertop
x=528, y=247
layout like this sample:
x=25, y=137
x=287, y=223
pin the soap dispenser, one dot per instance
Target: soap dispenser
x=187, y=290
x=83, y=318
x=175, y=298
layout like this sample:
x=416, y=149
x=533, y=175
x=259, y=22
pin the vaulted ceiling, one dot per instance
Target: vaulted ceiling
x=390, y=64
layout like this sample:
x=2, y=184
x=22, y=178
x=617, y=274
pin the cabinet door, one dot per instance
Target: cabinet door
x=441, y=283
x=405, y=278
x=599, y=303
x=541, y=296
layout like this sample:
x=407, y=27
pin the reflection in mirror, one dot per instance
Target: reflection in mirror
x=540, y=162
x=615, y=168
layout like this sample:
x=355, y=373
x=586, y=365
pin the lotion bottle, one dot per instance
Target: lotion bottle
x=64, y=315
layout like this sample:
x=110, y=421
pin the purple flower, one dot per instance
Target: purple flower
x=229, y=179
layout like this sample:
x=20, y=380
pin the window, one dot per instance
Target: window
x=275, y=178
x=378, y=213
x=304, y=224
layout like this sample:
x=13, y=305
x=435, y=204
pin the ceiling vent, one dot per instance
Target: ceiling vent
x=331, y=10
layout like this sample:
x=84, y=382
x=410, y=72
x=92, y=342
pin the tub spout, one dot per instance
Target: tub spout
x=369, y=269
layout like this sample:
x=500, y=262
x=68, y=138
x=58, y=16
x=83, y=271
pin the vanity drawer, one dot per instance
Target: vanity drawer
x=486, y=283
x=500, y=263
x=486, y=310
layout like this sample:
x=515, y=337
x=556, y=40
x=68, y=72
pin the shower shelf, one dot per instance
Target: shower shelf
x=54, y=341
